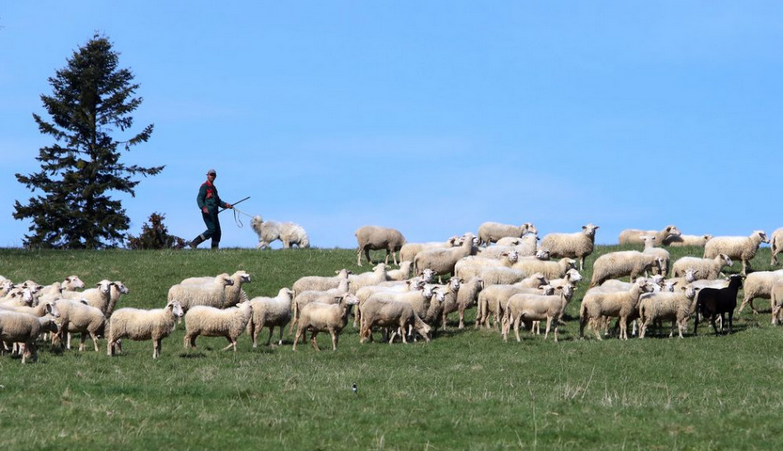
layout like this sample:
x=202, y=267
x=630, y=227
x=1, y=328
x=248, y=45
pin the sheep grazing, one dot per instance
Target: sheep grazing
x=467, y=297
x=410, y=250
x=137, y=325
x=737, y=247
x=319, y=283
x=664, y=236
x=574, y=245
x=775, y=246
x=758, y=284
x=233, y=292
x=677, y=306
x=614, y=265
x=690, y=240
x=16, y=327
x=318, y=317
x=443, y=261
x=215, y=322
x=649, y=248
x=271, y=313
x=714, y=302
x=704, y=268
x=289, y=233
x=525, y=307
x=391, y=314
x=598, y=304
x=371, y=238
x=525, y=246
x=550, y=269
x=491, y=232
x=212, y=294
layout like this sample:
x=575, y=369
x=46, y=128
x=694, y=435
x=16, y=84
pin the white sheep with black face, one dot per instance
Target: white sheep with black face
x=291, y=234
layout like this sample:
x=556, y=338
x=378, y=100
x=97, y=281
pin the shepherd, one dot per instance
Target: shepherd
x=209, y=202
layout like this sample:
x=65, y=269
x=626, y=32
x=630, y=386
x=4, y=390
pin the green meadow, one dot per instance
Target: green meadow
x=466, y=389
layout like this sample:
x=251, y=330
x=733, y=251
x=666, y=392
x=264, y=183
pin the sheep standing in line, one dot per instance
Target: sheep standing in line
x=599, y=304
x=704, y=268
x=23, y=328
x=614, y=265
x=289, y=233
x=370, y=238
x=737, y=247
x=690, y=240
x=137, y=325
x=319, y=317
x=677, y=306
x=714, y=302
x=527, y=308
x=320, y=283
x=663, y=236
x=490, y=232
x=396, y=315
x=759, y=284
x=233, y=293
x=212, y=294
x=573, y=245
x=215, y=322
x=271, y=313
x=442, y=261
x=775, y=246
x=410, y=250
x=467, y=297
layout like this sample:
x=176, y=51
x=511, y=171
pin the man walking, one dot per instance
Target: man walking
x=209, y=202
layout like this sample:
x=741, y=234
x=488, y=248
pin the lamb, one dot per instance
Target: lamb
x=319, y=283
x=443, y=261
x=271, y=313
x=406, y=267
x=137, y=324
x=525, y=307
x=490, y=232
x=211, y=294
x=526, y=246
x=16, y=327
x=289, y=233
x=663, y=236
x=215, y=322
x=690, y=240
x=714, y=302
x=649, y=248
x=410, y=250
x=598, y=304
x=618, y=264
x=372, y=238
x=759, y=284
x=705, y=268
x=574, y=245
x=233, y=292
x=677, y=306
x=392, y=314
x=550, y=269
x=318, y=317
x=77, y=317
x=775, y=246
x=467, y=297
x=736, y=247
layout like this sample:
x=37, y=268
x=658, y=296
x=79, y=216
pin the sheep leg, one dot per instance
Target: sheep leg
x=517, y=321
x=82, y=337
x=548, y=326
x=231, y=344
x=387, y=258
x=335, y=339
x=313, y=341
x=623, y=328
x=156, y=347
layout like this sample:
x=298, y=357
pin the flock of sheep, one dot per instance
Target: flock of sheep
x=506, y=272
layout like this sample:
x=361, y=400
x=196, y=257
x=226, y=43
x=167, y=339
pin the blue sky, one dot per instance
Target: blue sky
x=429, y=117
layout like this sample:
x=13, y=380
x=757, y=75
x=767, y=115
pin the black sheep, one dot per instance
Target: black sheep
x=712, y=302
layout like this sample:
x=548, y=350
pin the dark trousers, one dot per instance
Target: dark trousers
x=213, y=226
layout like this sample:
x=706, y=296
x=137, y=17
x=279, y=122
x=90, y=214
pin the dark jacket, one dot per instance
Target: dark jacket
x=208, y=197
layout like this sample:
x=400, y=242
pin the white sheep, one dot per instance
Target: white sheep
x=289, y=233
x=525, y=246
x=374, y=277
x=618, y=264
x=215, y=322
x=572, y=277
x=233, y=292
x=99, y=297
x=649, y=248
x=527, y=308
x=493, y=297
x=690, y=240
x=16, y=327
x=663, y=236
x=490, y=232
x=677, y=306
x=471, y=265
x=598, y=304
x=704, y=268
x=320, y=283
x=410, y=250
x=777, y=302
x=391, y=314
x=775, y=246
x=137, y=324
x=77, y=317
x=308, y=297
x=364, y=293
x=270, y=312
x=467, y=297
x=319, y=317
x=404, y=272
x=496, y=275
x=553, y=269
x=371, y=238
x=212, y=294
x=758, y=284
x=737, y=247
x=574, y=245
x=436, y=314
x=442, y=261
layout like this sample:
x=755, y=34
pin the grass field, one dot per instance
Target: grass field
x=466, y=389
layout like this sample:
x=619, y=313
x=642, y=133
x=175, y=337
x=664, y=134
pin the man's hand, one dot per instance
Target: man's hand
x=229, y=206
x=204, y=209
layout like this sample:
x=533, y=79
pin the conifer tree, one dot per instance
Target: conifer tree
x=92, y=100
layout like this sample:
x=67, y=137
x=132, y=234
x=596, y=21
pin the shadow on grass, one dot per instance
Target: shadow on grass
x=192, y=355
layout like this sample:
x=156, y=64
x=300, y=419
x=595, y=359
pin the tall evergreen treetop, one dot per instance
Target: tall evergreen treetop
x=91, y=100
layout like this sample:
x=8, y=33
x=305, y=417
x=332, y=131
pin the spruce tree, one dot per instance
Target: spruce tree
x=92, y=99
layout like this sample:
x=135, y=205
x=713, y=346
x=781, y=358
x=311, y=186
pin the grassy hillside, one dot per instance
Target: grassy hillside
x=466, y=389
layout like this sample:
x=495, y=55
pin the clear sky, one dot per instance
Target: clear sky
x=427, y=116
